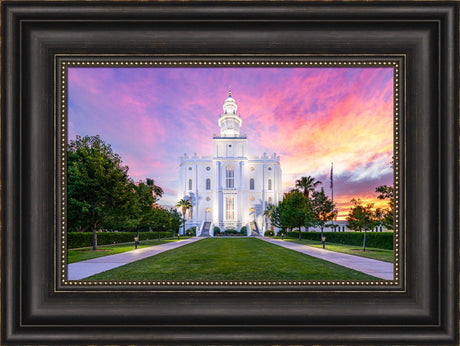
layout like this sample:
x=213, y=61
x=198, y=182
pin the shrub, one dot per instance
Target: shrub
x=244, y=230
x=191, y=232
x=283, y=231
x=85, y=239
x=269, y=233
x=230, y=232
x=379, y=240
x=216, y=230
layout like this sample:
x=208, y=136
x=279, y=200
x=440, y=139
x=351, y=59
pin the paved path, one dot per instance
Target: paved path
x=380, y=269
x=83, y=269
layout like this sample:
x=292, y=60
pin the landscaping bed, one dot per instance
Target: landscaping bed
x=84, y=239
x=373, y=253
x=379, y=240
x=86, y=253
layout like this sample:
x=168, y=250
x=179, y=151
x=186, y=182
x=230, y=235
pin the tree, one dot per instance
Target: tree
x=323, y=210
x=274, y=213
x=98, y=186
x=379, y=215
x=155, y=189
x=161, y=219
x=307, y=185
x=185, y=205
x=145, y=195
x=175, y=220
x=356, y=216
x=296, y=211
x=387, y=192
x=363, y=217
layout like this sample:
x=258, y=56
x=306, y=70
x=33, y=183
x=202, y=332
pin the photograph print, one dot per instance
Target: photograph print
x=223, y=173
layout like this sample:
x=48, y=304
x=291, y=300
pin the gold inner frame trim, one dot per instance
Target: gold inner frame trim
x=64, y=62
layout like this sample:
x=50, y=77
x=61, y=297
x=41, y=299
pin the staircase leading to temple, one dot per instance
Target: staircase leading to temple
x=205, y=230
x=254, y=229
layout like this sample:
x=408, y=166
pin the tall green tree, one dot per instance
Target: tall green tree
x=363, y=217
x=161, y=220
x=323, y=210
x=175, y=220
x=184, y=204
x=387, y=192
x=357, y=215
x=296, y=211
x=307, y=185
x=98, y=186
x=145, y=195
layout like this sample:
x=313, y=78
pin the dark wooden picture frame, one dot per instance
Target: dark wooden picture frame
x=36, y=309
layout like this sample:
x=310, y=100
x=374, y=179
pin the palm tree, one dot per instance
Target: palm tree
x=156, y=190
x=307, y=185
x=269, y=213
x=185, y=204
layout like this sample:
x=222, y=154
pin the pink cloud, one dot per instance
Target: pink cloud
x=310, y=116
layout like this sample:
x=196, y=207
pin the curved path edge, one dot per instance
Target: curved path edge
x=379, y=269
x=83, y=269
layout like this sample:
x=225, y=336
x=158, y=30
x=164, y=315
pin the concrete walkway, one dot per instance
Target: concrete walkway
x=83, y=269
x=380, y=269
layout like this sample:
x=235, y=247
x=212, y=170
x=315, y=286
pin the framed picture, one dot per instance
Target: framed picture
x=369, y=87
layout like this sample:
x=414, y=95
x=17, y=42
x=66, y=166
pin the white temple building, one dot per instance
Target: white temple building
x=229, y=189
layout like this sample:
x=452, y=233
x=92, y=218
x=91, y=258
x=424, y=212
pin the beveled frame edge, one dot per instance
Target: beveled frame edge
x=37, y=322
x=397, y=63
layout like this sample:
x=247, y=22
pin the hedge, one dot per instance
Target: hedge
x=191, y=232
x=379, y=240
x=84, y=239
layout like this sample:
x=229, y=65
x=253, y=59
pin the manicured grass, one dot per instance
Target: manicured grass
x=378, y=254
x=231, y=259
x=83, y=254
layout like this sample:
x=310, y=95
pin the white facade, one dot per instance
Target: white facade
x=229, y=189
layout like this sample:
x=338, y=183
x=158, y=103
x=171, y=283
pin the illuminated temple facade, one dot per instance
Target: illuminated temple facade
x=229, y=189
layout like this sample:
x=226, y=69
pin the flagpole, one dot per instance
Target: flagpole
x=332, y=190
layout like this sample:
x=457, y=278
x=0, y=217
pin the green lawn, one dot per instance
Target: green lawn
x=83, y=254
x=231, y=259
x=378, y=254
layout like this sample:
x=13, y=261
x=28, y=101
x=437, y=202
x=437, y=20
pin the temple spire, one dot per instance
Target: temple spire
x=230, y=121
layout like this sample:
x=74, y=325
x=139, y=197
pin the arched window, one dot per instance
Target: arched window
x=208, y=184
x=190, y=184
x=230, y=175
x=251, y=184
x=269, y=184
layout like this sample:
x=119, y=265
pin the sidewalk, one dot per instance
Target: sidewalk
x=380, y=269
x=83, y=269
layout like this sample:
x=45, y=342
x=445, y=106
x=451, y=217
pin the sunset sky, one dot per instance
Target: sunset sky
x=309, y=116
